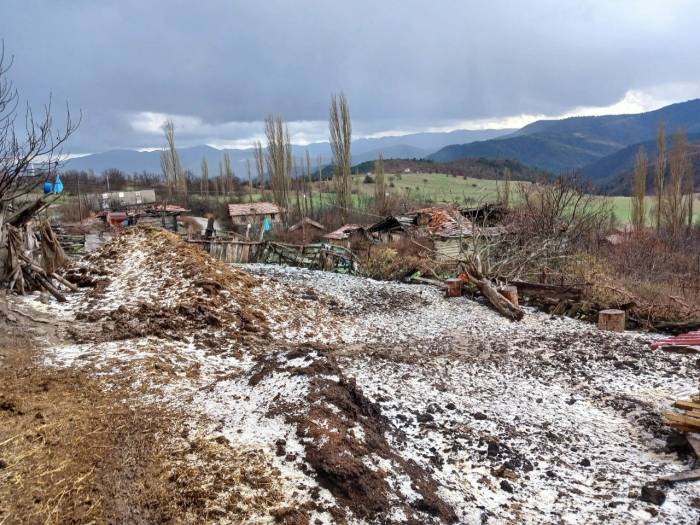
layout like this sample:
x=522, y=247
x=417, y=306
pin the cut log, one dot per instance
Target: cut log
x=687, y=404
x=510, y=293
x=65, y=283
x=611, y=320
x=500, y=303
x=424, y=280
x=677, y=420
x=688, y=475
x=454, y=287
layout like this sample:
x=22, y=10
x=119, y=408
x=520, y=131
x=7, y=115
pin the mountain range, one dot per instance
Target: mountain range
x=576, y=142
x=600, y=148
x=415, y=145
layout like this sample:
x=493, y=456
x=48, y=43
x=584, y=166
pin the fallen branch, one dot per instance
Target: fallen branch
x=486, y=287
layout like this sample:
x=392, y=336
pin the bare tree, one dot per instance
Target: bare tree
x=170, y=162
x=639, y=189
x=309, y=183
x=250, y=180
x=503, y=189
x=204, y=180
x=279, y=159
x=689, y=191
x=551, y=221
x=379, y=185
x=220, y=186
x=340, y=139
x=674, y=208
x=227, y=174
x=32, y=155
x=260, y=166
x=659, y=172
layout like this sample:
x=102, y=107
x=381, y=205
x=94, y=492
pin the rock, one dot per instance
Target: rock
x=492, y=449
x=450, y=406
x=652, y=494
x=480, y=416
x=506, y=486
x=3, y=464
x=424, y=418
x=585, y=462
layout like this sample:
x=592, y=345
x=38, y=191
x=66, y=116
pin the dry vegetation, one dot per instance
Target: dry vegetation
x=75, y=448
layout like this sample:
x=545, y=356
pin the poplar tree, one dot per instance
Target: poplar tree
x=639, y=189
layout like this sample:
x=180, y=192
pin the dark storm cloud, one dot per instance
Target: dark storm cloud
x=411, y=63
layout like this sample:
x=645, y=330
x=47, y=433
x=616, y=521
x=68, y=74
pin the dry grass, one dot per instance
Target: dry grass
x=72, y=451
x=648, y=297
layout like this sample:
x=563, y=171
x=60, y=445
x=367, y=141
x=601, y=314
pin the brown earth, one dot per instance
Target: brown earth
x=337, y=410
x=74, y=449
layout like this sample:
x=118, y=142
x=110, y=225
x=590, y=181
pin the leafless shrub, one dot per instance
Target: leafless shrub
x=553, y=220
x=26, y=157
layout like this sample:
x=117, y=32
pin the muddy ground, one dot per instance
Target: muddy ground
x=280, y=395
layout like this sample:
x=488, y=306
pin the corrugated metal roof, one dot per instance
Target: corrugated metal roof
x=253, y=208
x=691, y=339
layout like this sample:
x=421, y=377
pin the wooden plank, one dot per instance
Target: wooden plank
x=688, y=475
x=686, y=421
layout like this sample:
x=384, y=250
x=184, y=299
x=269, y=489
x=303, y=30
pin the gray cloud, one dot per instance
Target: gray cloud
x=405, y=64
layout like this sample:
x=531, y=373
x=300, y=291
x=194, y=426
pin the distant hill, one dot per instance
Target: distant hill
x=416, y=145
x=571, y=143
x=613, y=174
x=472, y=167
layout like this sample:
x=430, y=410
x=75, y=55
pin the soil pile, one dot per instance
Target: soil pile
x=149, y=282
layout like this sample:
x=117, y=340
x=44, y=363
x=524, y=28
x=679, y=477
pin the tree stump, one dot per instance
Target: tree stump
x=611, y=320
x=454, y=287
x=510, y=293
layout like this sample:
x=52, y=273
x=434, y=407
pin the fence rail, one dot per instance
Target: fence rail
x=318, y=256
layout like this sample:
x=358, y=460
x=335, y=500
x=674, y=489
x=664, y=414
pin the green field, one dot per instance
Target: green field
x=435, y=187
x=441, y=188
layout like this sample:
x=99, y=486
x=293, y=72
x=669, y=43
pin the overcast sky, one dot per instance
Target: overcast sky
x=217, y=67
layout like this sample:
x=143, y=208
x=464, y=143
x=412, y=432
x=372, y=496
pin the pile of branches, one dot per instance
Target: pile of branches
x=30, y=254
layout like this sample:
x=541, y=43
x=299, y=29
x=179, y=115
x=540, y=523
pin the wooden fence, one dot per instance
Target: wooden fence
x=315, y=256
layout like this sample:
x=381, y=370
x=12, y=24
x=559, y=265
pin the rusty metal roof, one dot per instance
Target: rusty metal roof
x=253, y=208
x=308, y=221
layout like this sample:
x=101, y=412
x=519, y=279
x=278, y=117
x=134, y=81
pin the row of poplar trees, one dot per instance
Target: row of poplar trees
x=673, y=185
x=277, y=160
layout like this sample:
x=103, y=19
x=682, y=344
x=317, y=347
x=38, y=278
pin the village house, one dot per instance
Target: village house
x=352, y=236
x=255, y=213
x=305, y=231
x=446, y=229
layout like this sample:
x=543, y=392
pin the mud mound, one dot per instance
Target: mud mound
x=345, y=442
x=148, y=281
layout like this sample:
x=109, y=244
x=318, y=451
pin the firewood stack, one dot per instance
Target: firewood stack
x=30, y=253
x=689, y=421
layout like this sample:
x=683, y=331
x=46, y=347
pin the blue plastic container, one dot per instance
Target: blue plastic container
x=58, y=185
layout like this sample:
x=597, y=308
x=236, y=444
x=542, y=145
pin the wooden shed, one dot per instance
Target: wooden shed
x=306, y=230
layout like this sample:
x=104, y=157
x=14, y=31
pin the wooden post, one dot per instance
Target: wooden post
x=611, y=320
x=454, y=287
x=510, y=293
